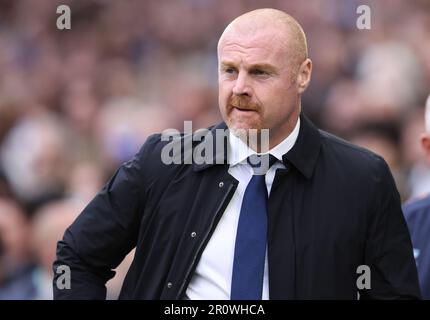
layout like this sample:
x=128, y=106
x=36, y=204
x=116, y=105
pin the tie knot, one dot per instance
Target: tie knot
x=261, y=163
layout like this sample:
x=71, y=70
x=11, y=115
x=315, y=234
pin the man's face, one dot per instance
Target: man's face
x=257, y=89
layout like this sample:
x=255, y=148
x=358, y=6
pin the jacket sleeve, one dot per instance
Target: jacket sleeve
x=103, y=234
x=388, y=250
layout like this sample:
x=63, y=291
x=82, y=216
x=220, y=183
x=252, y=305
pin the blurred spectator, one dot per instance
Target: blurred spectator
x=34, y=157
x=28, y=251
x=123, y=125
x=48, y=225
x=387, y=91
x=15, y=260
x=84, y=181
x=417, y=214
x=414, y=157
x=383, y=139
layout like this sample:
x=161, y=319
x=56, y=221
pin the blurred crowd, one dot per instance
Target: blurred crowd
x=75, y=104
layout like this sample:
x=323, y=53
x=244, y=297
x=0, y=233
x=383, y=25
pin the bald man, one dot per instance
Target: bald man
x=417, y=214
x=281, y=211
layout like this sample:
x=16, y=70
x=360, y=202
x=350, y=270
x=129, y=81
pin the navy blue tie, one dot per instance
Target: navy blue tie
x=251, y=237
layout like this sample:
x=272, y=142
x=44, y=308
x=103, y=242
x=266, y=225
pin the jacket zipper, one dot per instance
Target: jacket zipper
x=210, y=229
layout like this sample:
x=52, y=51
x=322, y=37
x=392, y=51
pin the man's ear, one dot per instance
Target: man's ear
x=425, y=143
x=304, y=75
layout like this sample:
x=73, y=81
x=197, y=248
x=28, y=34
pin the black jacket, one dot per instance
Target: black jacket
x=334, y=208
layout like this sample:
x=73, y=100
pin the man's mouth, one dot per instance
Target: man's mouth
x=244, y=109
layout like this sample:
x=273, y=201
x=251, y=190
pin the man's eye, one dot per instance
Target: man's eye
x=229, y=70
x=259, y=72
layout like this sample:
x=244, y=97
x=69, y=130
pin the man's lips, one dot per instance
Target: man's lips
x=244, y=109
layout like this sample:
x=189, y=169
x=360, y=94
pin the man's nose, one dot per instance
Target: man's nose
x=241, y=86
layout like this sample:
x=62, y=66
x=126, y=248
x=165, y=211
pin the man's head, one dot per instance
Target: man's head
x=425, y=137
x=263, y=71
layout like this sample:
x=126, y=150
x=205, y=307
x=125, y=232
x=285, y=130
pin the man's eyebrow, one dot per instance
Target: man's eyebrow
x=262, y=66
x=227, y=64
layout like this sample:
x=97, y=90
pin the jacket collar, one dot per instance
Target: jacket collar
x=303, y=155
x=220, y=155
x=240, y=151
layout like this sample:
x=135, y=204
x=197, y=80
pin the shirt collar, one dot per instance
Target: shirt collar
x=303, y=155
x=240, y=151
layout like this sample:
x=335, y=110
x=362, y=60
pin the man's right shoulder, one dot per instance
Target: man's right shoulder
x=167, y=152
x=173, y=148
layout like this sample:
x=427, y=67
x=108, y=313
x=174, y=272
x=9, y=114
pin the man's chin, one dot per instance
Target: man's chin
x=239, y=132
x=244, y=131
x=257, y=139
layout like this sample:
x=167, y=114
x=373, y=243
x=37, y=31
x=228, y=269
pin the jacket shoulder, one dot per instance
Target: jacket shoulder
x=164, y=154
x=356, y=159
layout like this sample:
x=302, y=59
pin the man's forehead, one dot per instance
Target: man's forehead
x=268, y=28
x=257, y=48
x=250, y=55
x=252, y=37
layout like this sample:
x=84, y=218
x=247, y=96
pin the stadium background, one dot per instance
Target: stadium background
x=75, y=104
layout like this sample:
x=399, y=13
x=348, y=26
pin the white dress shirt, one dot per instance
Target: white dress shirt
x=212, y=278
